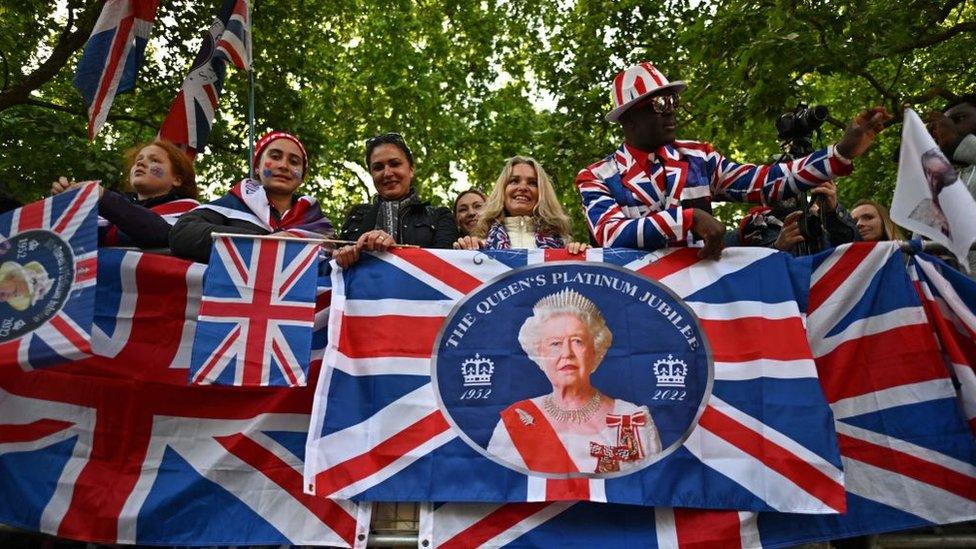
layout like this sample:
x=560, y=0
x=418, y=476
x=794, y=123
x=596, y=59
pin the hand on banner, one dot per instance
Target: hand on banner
x=862, y=131
x=577, y=247
x=789, y=235
x=346, y=256
x=62, y=184
x=376, y=241
x=469, y=243
x=711, y=230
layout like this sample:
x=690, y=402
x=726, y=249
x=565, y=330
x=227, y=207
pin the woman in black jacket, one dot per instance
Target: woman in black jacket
x=397, y=215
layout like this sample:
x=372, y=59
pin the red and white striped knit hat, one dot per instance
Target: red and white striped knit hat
x=637, y=82
x=267, y=139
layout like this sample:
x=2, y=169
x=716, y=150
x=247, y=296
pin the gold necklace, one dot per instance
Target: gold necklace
x=579, y=415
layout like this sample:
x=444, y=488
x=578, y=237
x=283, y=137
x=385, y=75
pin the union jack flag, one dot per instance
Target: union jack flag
x=908, y=458
x=585, y=524
x=192, y=112
x=950, y=304
x=256, y=313
x=113, y=55
x=760, y=443
x=50, y=247
x=103, y=451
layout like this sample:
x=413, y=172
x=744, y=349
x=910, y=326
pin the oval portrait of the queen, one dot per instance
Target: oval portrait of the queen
x=572, y=369
x=36, y=276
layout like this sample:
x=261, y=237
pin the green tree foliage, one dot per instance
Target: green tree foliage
x=471, y=82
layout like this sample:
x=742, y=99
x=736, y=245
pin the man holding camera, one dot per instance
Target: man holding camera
x=655, y=192
x=799, y=230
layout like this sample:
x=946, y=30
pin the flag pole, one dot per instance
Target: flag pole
x=250, y=90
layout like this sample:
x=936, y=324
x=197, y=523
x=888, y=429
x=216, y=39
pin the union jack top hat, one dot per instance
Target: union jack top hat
x=637, y=82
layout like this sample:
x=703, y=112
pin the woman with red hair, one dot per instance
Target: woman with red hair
x=163, y=186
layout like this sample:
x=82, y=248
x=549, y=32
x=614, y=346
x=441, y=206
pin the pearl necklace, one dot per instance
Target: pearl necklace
x=579, y=415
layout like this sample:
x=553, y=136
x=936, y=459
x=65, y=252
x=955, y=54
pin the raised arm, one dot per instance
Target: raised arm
x=772, y=182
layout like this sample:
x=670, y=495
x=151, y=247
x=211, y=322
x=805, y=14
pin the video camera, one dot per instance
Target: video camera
x=795, y=130
x=802, y=122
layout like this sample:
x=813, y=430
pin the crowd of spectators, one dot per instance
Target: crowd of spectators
x=653, y=191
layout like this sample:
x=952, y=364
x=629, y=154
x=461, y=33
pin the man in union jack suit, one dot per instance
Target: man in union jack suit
x=655, y=191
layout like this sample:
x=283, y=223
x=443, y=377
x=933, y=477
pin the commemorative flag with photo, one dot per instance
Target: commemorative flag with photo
x=256, y=313
x=908, y=457
x=929, y=197
x=514, y=376
x=121, y=450
x=48, y=262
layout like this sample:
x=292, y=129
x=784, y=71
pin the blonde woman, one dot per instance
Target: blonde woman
x=874, y=223
x=522, y=212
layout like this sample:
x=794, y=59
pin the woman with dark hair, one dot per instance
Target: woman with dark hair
x=164, y=187
x=467, y=206
x=522, y=211
x=397, y=215
x=874, y=223
x=266, y=205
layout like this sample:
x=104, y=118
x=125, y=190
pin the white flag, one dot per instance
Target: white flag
x=929, y=197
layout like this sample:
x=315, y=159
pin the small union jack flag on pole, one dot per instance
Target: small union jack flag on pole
x=192, y=113
x=256, y=313
x=113, y=55
x=48, y=261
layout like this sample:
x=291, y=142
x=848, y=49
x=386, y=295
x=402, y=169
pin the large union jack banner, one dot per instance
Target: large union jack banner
x=761, y=443
x=121, y=449
x=256, y=313
x=47, y=279
x=907, y=455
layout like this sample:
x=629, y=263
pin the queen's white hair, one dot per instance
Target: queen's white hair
x=565, y=302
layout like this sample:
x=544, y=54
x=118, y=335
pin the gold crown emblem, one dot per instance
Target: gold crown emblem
x=670, y=372
x=477, y=371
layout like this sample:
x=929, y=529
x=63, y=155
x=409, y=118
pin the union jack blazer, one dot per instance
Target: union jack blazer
x=628, y=205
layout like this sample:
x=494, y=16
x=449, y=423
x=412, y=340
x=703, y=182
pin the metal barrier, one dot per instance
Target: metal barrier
x=395, y=525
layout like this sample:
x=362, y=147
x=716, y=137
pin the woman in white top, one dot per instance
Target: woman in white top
x=521, y=212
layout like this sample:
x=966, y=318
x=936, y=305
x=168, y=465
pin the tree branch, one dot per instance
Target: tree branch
x=947, y=9
x=68, y=42
x=885, y=91
x=61, y=108
x=933, y=39
x=930, y=94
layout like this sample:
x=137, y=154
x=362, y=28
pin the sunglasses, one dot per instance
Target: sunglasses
x=660, y=104
x=388, y=137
